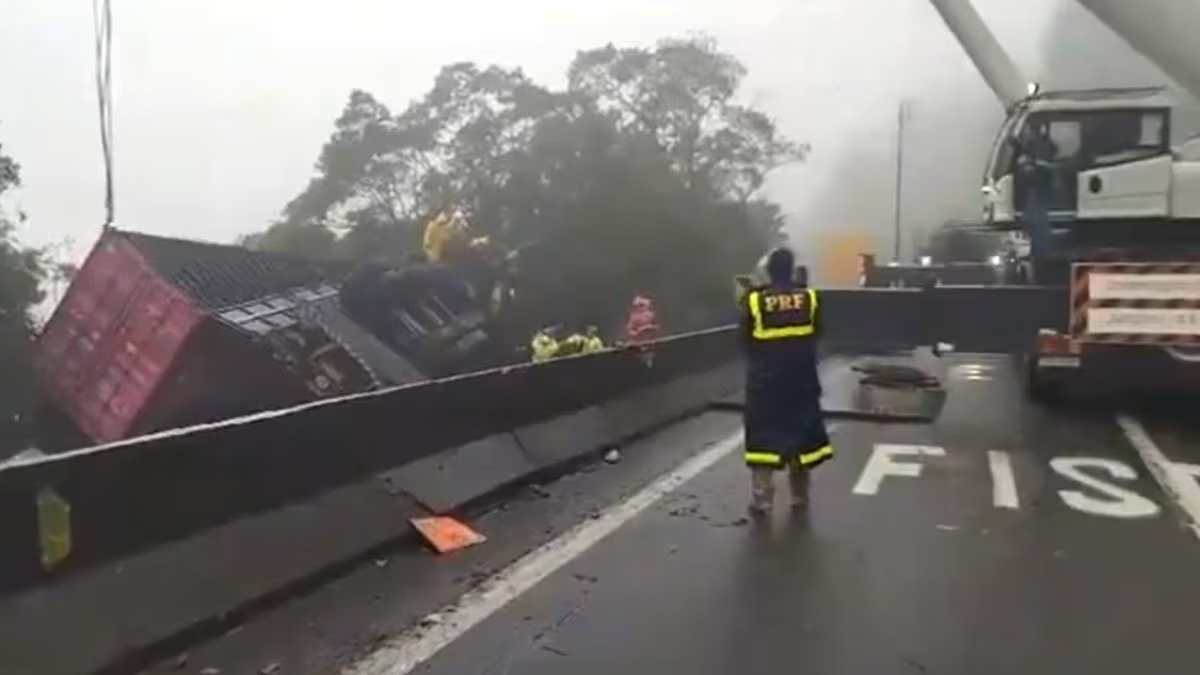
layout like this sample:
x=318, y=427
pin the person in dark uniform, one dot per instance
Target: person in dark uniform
x=1035, y=161
x=784, y=428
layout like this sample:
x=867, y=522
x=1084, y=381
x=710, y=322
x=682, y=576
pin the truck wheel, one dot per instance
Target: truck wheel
x=1037, y=389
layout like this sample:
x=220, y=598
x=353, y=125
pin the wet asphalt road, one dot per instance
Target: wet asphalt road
x=1003, y=539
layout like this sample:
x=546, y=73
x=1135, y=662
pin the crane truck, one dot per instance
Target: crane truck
x=1124, y=264
x=1114, y=301
x=1113, y=145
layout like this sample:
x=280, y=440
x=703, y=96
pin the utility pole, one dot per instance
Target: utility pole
x=901, y=114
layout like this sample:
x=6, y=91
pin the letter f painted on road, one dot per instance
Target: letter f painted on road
x=884, y=462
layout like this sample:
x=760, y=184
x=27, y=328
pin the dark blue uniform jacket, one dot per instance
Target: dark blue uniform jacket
x=779, y=329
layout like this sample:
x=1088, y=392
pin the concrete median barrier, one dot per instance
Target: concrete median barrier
x=450, y=479
x=113, y=611
x=564, y=439
x=135, y=495
x=653, y=407
x=146, y=492
x=170, y=531
x=20, y=547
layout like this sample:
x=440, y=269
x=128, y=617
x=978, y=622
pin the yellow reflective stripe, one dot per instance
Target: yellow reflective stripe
x=823, y=452
x=758, y=457
x=775, y=459
x=755, y=310
x=778, y=333
x=761, y=332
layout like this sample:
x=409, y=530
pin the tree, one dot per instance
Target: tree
x=681, y=95
x=21, y=271
x=641, y=176
x=308, y=239
x=362, y=133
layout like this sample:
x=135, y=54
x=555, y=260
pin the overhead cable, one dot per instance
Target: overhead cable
x=102, y=25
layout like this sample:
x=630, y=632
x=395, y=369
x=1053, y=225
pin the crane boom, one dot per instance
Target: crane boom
x=1167, y=32
x=993, y=63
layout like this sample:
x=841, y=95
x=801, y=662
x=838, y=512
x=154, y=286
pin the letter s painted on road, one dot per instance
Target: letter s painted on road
x=1120, y=502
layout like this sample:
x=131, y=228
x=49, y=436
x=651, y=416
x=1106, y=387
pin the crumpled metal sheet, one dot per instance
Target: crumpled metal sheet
x=898, y=391
x=387, y=367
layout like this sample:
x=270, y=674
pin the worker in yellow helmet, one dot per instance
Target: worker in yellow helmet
x=449, y=237
x=592, y=341
x=543, y=346
x=571, y=345
x=580, y=343
x=438, y=233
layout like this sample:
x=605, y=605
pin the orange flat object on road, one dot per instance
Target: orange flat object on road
x=446, y=534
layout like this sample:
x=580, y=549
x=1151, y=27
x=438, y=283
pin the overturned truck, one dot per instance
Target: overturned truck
x=449, y=317
x=155, y=333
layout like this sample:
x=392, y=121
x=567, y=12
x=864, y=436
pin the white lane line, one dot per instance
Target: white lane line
x=409, y=649
x=1004, y=483
x=1175, y=480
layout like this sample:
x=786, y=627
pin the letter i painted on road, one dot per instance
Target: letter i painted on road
x=1004, y=481
x=884, y=462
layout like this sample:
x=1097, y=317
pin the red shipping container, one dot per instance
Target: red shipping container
x=112, y=339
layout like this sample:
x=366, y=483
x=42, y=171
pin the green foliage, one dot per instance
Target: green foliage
x=21, y=272
x=640, y=176
x=304, y=238
x=680, y=95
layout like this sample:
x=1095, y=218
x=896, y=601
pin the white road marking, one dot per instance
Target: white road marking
x=882, y=463
x=1175, y=480
x=1004, y=482
x=1120, y=502
x=411, y=648
x=1188, y=483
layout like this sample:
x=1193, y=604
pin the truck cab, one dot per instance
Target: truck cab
x=1112, y=160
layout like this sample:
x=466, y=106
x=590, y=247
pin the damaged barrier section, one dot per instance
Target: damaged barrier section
x=115, y=548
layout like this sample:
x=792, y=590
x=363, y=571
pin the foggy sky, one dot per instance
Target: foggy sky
x=1079, y=52
x=221, y=106
x=951, y=129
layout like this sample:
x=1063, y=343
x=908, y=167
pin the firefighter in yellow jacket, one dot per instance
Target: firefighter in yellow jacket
x=437, y=234
x=448, y=231
x=592, y=341
x=543, y=347
x=784, y=428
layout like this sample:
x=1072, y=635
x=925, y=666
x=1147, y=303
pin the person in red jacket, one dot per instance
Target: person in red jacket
x=642, y=325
